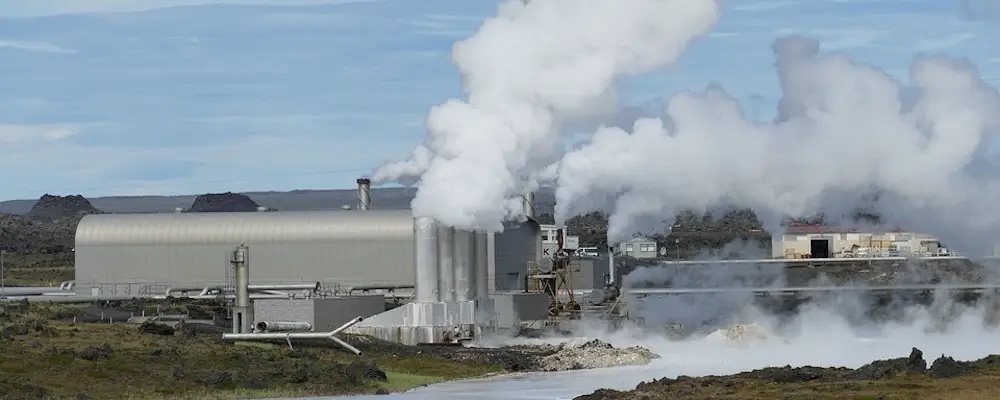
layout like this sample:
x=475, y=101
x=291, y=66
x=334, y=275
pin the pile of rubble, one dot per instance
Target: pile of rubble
x=742, y=334
x=594, y=354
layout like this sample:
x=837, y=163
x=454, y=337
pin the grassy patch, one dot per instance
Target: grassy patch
x=49, y=356
x=400, y=382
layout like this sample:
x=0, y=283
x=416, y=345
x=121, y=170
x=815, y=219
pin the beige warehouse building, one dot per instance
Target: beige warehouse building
x=813, y=241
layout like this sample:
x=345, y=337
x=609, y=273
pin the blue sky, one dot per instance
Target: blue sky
x=105, y=97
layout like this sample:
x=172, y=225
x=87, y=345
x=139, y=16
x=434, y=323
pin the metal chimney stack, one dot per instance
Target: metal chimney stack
x=364, y=193
x=529, y=203
x=243, y=311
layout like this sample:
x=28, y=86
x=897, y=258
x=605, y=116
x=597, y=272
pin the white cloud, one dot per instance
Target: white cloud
x=44, y=47
x=34, y=134
x=33, y=8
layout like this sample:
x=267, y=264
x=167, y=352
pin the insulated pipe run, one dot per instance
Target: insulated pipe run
x=283, y=326
x=253, y=296
x=463, y=263
x=425, y=249
x=446, y=264
x=332, y=335
x=201, y=291
x=315, y=287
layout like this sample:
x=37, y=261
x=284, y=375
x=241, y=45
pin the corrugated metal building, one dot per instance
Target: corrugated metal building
x=813, y=241
x=139, y=254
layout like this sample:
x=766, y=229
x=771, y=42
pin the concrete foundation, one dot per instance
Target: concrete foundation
x=452, y=300
x=324, y=314
x=512, y=310
x=418, y=323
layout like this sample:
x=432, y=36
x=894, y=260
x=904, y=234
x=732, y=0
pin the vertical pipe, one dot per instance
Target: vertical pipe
x=242, y=313
x=425, y=235
x=446, y=264
x=364, y=193
x=463, y=264
x=611, y=265
x=491, y=261
x=481, y=275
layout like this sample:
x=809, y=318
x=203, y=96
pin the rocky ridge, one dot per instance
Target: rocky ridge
x=834, y=381
x=223, y=202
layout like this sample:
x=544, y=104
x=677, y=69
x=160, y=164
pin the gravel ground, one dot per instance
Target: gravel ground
x=595, y=354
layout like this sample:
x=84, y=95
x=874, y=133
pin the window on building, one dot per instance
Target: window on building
x=647, y=248
x=628, y=248
x=791, y=237
x=545, y=236
x=843, y=236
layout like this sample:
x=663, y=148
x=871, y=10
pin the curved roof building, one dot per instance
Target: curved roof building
x=120, y=253
x=144, y=254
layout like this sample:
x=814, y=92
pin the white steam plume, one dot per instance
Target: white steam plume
x=530, y=73
x=844, y=130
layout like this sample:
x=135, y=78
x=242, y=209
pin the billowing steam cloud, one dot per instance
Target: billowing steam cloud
x=529, y=73
x=844, y=130
x=919, y=154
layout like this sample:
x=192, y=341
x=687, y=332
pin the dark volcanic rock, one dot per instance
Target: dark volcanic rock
x=223, y=202
x=95, y=353
x=882, y=369
x=49, y=207
x=366, y=370
x=48, y=228
x=787, y=378
x=19, y=234
x=788, y=374
x=153, y=328
x=947, y=367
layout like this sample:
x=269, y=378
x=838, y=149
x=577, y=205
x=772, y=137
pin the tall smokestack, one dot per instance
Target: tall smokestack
x=463, y=264
x=446, y=263
x=529, y=203
x=364, y=193
x=426, y=256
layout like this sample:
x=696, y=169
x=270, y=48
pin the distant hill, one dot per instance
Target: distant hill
x=296, y=200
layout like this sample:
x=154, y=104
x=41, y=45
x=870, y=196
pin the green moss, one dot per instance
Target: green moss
x=46, y=359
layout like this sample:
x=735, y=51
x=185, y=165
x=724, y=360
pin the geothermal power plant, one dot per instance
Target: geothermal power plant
x=385, y=273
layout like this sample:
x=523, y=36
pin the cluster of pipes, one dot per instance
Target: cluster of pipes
x=243, y=321
x=451, y=264
x=277, y=291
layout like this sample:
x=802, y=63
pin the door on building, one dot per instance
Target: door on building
x=819, y=248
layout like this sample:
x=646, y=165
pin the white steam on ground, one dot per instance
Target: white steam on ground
x=822, y=334
x=920, y=153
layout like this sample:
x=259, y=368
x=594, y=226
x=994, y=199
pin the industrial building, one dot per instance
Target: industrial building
x=638, y=246
x=812, y=241
x=323, y=267
x=138, y=254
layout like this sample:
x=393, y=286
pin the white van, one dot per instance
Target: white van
x=586, y=252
